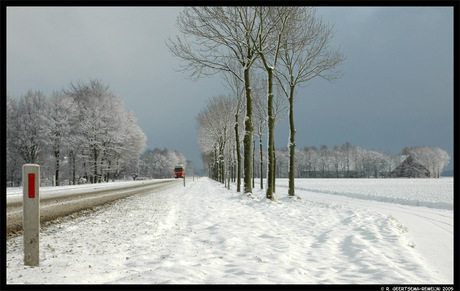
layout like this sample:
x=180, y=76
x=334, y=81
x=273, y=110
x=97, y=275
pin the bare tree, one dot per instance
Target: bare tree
x=236, y=86
x=220, y=35
x=271, y=23
x=305, y=55
x=260, y=102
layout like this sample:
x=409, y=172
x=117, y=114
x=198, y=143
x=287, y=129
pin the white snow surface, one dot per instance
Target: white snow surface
x=206, y=234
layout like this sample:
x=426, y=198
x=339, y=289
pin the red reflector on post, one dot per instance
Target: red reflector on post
x=31, y=185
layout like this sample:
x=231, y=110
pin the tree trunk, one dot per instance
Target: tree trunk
x=222, y=165
x=261, y=161
x=73, y=169
x=95, y=173
x=238, y=155
x=274, y=170
x=108, y=170
x=271, y=126
x=291, y=142
x=56, y=155
x=248, y=135
x=253, y=161
x=216, y=166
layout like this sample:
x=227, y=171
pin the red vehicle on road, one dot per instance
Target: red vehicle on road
x=179, y=171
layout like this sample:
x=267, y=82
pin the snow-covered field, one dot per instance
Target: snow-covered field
x=339, y=232
x=433, y=193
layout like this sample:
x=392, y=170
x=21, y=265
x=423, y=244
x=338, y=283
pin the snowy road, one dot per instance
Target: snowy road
x=204, y=233
x=57, y=202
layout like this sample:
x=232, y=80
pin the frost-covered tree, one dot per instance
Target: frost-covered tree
x=301, y=157
x=14, y=161
x=92, y=99
x=311, y=159
x=127, y=144
x=442, y=159
x=61, y=114
x=84, y=128
x=215, y=124
x=161, y=164
x=432, y=158
x=158, y=163
x=374, y=163
x=347, y=150
x=349, y=161
x=30, y=127
x=282, y=163
x=147, y=164
x=108, y=136
x=359, y=160
x=338, y=161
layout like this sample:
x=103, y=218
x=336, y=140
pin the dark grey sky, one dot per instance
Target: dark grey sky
x=397, y=88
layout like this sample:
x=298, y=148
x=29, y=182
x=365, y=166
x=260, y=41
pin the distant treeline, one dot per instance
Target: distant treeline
x=349, y=161
x=159, y=164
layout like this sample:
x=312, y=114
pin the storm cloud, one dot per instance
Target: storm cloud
x=396, y=91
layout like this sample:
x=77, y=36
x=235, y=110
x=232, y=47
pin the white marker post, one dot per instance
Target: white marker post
x=31, y=213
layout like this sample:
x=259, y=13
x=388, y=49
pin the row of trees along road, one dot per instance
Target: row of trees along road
x=346, y=161
x=289, y=44
x=83, y=130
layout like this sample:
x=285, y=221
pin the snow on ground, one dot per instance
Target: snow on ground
x=433, y=193
x=203, y=233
